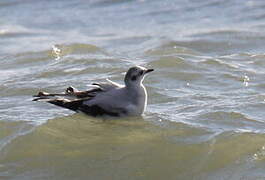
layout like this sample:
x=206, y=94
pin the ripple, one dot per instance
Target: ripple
x=11, y=130
x=220, y=64
x=230, y=121
x=171, y=48
x=171, y=62
x=58, y=50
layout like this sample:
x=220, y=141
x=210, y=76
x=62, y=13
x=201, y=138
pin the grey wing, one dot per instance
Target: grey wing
x=110, y=102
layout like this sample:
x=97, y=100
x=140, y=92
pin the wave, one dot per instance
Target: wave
x=171, y=48
x=12, y=130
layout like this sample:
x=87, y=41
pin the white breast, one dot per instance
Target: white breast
x=139, y=104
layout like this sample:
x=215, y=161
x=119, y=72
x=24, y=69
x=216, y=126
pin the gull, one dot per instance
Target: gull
x=105, y=99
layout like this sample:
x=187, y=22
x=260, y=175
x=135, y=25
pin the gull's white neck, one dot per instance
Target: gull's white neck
x=137, y=92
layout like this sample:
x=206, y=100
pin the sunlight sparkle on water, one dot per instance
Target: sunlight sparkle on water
x=56, y=52
x=246, y=80
x=260, y=154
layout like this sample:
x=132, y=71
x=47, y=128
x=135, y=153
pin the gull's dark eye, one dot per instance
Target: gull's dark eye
x=141, y=72
x=133, y=78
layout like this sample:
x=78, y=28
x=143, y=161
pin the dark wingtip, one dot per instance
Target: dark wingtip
x=36, y=99
x=41, y=93
x=96, y=84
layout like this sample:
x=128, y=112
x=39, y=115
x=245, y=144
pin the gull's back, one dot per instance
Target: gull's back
x=119, y=100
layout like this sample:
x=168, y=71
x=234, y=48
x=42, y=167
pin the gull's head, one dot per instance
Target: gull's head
x=135, y=75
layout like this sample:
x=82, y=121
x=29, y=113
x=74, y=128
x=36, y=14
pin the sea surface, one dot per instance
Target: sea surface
x=205, y=118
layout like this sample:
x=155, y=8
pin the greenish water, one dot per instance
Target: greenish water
x=205, y=113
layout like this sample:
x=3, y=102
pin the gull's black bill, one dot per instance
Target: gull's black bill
x=149, y=70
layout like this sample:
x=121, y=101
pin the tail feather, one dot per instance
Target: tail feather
x=72, y=105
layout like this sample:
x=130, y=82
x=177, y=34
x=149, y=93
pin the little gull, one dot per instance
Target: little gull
x=109, y=98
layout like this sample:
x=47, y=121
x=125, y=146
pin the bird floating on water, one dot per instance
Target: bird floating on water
x=109, y=98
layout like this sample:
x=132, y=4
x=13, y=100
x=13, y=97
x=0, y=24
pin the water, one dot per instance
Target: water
x=205, y=114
